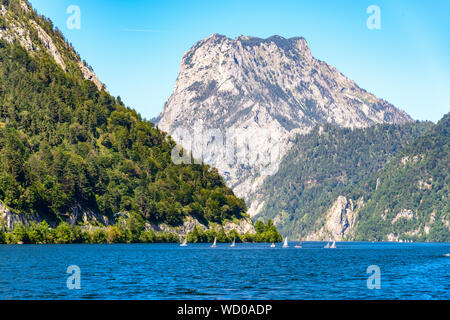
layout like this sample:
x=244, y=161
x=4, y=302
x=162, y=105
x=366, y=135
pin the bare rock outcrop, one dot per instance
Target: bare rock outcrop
x=241, y=226
x=340, y=221
x=87, y=217
x=9, y=218
x=48, y=43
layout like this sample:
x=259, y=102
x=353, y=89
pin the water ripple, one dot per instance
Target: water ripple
x=249, y=271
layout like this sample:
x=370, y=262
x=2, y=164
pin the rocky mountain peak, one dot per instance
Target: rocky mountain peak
x=262, y=91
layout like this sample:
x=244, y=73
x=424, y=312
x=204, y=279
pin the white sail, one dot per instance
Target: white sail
x=285, y=245
x=234, y=243
x=333, y=245
x=214, y=244
x=184, y=244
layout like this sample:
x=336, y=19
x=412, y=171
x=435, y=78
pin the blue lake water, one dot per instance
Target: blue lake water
x=248, y=271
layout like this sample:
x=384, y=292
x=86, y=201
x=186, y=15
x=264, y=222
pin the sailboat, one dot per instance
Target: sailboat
x=233, y=243
x=272, y=245
x=327, y=245
x=184, y=244
x=285, y=244
x=299, y=245
x=333, y=246
x=214, y=244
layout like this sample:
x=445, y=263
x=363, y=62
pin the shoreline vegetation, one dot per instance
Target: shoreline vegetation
x=128, y=231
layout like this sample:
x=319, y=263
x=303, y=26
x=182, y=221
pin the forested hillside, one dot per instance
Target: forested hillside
x=325, y=164
x=409, y=198
x=64, y=143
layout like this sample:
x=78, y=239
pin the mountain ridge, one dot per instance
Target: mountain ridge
x=250, y=87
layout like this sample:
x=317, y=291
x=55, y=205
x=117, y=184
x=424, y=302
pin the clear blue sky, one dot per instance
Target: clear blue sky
x=135, y=47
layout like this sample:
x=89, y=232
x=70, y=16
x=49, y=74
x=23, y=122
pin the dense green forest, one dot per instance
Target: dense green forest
x=65, y=143
x=417, y=180
x=326, y=163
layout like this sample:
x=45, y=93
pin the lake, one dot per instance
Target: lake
x=247, y=271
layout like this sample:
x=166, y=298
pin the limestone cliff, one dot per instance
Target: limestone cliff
x=241, y=226
x=9, y=219
x=242, y=99
x=340, y=221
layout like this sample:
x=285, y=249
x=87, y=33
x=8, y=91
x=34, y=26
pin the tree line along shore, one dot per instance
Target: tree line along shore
x=131, y=230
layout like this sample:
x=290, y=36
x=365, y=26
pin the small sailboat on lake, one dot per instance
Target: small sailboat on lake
x=184, y=244
x=285, y=244
x=233, y=243
x=272, y=245
x=214, y=243
x=333, y=246
x=327, y=245
x=299, y=245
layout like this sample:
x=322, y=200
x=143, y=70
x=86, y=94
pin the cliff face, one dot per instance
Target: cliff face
x=255, y=94
x=242, y=226
x=9, y=219
x=340, y=221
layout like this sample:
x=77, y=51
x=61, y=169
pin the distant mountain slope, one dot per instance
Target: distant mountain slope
x=411, y=197
x=325, y=169
x=69, y=151
x=258, y=93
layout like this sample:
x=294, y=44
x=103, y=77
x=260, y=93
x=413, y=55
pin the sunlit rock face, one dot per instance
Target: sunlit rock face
x=237, y=102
